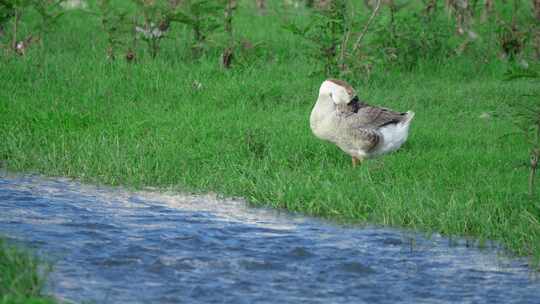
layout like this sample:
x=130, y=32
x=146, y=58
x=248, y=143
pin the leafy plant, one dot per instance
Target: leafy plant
x=119, y=25
x=201, y=16
x=326, y=32
x=148, y=20
x=154, y=24
x=50, y=12
x=405, y=39
x=7, y=11
x=17, y=36
x=511, y=39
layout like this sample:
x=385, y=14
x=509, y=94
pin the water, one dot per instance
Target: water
x=109, y=245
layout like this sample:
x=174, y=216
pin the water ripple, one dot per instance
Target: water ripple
x=116, y=246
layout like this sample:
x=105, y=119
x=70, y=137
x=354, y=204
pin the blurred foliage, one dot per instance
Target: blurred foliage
x=399, y=35
x=118, y=25
x=150, y=22
x=17, y=33
x=403, y=39
x=203, y=17
x=325, y=33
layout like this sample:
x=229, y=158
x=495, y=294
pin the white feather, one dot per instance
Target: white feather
x=393, y=136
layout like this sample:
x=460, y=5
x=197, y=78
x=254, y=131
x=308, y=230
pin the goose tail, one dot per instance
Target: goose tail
x=408, y=118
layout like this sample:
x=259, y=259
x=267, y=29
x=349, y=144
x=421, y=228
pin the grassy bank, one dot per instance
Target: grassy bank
x=20, y=277
x=174, y=122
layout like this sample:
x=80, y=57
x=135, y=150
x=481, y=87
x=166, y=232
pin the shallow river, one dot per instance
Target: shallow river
x=110, y=245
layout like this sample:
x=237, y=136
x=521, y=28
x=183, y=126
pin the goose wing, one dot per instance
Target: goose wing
x=363, y=122
x=376, y=117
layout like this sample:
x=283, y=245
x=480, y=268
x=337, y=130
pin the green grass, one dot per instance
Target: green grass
x=66, y=111
x=21, y=279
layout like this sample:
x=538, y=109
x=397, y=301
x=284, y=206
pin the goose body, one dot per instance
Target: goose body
x=359, y=129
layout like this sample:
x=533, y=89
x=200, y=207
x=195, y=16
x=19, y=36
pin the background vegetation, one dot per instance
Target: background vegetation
x=215, y=96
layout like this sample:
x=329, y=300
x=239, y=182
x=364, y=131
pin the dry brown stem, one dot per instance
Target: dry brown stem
x=366, y=27
x=261, y=6
x=535, y=154
x=536, y=31
x=488, y=10
x=536, y=8
x=227, y=57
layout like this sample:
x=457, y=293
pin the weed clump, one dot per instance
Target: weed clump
x=21, y=277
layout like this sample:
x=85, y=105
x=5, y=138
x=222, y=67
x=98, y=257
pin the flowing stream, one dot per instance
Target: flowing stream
x=111, y=245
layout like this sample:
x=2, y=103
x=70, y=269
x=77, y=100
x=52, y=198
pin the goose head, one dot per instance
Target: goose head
x=339, y=91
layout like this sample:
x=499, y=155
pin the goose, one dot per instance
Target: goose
x=361, y=130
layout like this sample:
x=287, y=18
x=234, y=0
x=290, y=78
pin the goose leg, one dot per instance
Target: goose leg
x=355, y=161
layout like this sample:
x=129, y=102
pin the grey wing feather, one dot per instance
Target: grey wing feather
x=376, y=117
